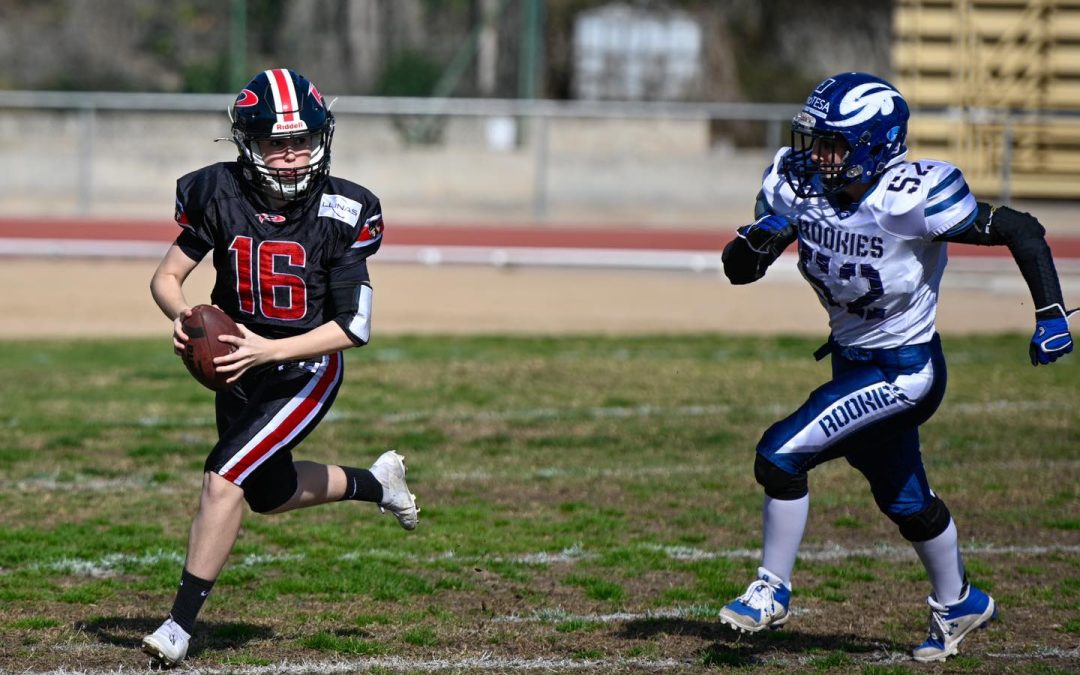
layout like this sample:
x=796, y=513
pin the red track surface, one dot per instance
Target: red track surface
x=630, y=237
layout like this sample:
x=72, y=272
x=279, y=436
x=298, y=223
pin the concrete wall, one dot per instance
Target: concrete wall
x=663, y=172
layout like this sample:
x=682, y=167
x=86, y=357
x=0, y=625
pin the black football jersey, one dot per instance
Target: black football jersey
x=275, y=268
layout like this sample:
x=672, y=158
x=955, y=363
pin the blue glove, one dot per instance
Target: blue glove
x=764, y=233
x=1052, y=339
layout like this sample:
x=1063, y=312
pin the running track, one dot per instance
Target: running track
x=487, y=236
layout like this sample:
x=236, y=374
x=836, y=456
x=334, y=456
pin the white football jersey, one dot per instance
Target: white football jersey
x=877, y=269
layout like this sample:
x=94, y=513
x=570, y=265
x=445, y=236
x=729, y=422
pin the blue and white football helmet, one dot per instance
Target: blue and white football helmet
x=867, y=113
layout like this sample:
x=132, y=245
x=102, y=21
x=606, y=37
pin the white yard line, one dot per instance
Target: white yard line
x=594, y=412
x=529, y=414
x=108, y=565
x=558, y=615
x=482, y=662
x=80, y=483
x=879, y=552
x=471, y=416
x=487, y=662
x=111, y=564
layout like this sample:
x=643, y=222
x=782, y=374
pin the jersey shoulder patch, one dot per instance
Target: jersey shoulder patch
x=921, y=199
x=370, y=234
x=347, y=202
x=340, y=207
x=355, y=206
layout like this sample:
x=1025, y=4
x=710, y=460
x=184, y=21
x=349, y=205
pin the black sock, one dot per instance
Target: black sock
x=189, y=600
x=361, y=485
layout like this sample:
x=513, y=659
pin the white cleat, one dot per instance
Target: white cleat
x=950, y=624
x=389, y=469
x=169, y=643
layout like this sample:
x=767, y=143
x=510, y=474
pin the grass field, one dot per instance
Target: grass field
x=588, y=505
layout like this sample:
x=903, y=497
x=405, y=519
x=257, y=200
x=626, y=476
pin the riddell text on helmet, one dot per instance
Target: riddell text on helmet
x=289, y=126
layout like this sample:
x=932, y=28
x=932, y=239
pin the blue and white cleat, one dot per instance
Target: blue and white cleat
x=950, y=624
x=763, y=605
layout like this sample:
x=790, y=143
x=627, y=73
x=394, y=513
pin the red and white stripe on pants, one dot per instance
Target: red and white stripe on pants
x=293, y=418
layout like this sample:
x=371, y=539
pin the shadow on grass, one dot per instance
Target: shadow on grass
x=128, y=632
x=732, y=648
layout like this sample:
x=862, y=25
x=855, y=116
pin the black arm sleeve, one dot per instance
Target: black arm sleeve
x=1026, y=238
x=349, y=307
x=742, y=265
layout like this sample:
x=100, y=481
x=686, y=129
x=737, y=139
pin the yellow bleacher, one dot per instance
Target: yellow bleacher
x=997, y=84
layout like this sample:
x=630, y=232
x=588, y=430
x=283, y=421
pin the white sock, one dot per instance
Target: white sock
x=941, y=558
x=784, y=522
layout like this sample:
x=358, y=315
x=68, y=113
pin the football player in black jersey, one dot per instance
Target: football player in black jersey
x=289, y=243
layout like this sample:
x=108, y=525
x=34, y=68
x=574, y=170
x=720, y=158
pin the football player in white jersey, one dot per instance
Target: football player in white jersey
x=872, y=229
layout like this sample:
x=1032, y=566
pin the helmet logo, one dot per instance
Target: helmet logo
x=816, y=105
x=283, y=89
x=825, y=85
x=865, y=102
x=283, y=127
x=246, y=99
x=315, y=94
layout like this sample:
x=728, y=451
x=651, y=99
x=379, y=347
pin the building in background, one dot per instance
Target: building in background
x=627, y=53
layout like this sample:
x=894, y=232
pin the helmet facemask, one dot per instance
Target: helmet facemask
x=807, y=172
x=286, y=183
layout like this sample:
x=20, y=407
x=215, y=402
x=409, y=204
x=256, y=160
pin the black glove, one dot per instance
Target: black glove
x=768, y=235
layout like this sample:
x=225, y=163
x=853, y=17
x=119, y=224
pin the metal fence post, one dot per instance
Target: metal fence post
x=540, y=138
x=1006, y=160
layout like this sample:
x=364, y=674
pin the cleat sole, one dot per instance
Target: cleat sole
x=159, y=655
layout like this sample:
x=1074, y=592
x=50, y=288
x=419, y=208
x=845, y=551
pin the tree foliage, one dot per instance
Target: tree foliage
x=753, y=50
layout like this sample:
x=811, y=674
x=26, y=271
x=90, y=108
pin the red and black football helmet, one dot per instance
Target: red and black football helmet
x=281, y=103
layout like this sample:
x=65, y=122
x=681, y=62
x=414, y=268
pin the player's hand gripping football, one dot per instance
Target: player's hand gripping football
x=179, y=337
x=1052, y=339
x=765, y=233
x=251, y=350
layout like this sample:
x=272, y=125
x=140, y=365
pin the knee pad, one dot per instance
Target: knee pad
x=263, y=502
x=779, y=484
x=924, y=525
x=265, y=491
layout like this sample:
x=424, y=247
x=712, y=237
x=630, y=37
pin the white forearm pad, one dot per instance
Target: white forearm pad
x=357, y=320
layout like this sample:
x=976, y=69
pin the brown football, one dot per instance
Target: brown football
x=203, y=327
